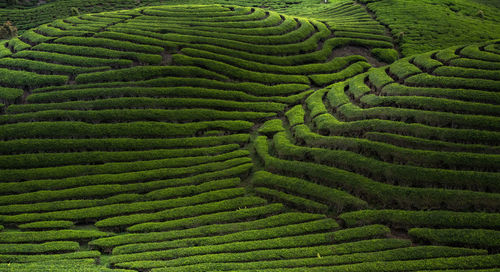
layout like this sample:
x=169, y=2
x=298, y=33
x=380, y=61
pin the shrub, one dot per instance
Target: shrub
x=399, y=254
x=406, y=219
x=98, y=52
x=286, y=227
x=281, y=242
x=426, y=61
x=132, y=129
x=48, y=247
x=50, y=235
x=216, y=244
x=113, y=168
x=10, y=95
x=271, y=127
x=7, y=31
x=115, y=144
x=134, y=115
x=14, y=78
x=47, y=225
x=279, y=254
x=462, y=237
x=387, y=55
x=121, y=211
x=17, y=44
x=198, y=226
x=72, y=60
x=403, y=68
x=395, y=89
x=109, y=43
x=294, y=201
x=146, y=72
x=210, y=202
x=230, y=166
x=303, y=187
x=41, y=66
x=451, y=71
x=51, y=257
x=238, y=73
x=474, y=63
x=426, y=80
x=352, y=70
x=357, y=88
x=376, y=192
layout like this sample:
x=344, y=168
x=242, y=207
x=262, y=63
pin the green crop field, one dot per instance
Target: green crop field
x=258, y=135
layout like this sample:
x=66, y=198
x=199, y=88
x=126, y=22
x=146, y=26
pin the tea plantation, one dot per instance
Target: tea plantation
x=248, y=136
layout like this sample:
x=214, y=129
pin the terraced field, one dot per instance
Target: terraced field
x=228, y=138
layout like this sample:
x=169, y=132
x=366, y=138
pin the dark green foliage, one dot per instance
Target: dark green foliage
x=98, y=52
x=40, y=225
x=175, y=208
x=234, y=166
x=199, y=225
x=10, y=95
x=133, y=129
x=142, y=135
x=271, y=127
x=146, y=72
x=114, y=144
x=280, y=242
x=188, y=207
x=406, y=219
x=39, y=66
x=301, y=187
x=386, y=55
x=405, y=197
x=263, y=230
x=135, y=115
x=462, y=237
x=50, y=235
x=51, y=257
x=294, y=201
x=389, y=255
x=14, y=78
x=64, y=246
x=279, y=254
x=72, y=60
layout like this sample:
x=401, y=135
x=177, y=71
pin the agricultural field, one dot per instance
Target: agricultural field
x=250, y=136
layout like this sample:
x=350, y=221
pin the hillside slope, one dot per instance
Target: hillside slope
x=219, y=137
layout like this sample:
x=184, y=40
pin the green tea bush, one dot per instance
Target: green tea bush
x=325, y=261
x=115, y=144
x=40, y=258
x=13, y=78
x=386, y=55
x=406, y=219
x=462, y=237
x=233, y=166
x=302, y=187
x=293, y=200
x=10, y=95
x=198, y=226
x=72, y=60
x=98, y=52
x=62, y=246
x=178, y=208
x=279, y=254
x=190, y=207
x=376, y=192
x=41, y=225
x=50, y=235
x=259, y=233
